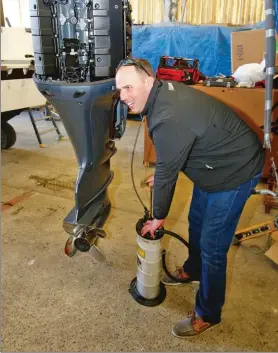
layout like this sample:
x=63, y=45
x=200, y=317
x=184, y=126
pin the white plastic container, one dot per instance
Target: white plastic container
x=148, y=267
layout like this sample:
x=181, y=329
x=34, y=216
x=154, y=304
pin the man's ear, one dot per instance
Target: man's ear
x=150, y=81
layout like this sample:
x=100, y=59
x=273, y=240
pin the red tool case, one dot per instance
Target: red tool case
x=179, y=69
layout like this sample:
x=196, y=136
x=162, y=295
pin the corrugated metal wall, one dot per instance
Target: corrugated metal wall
x=233, y=12
x=147, y=11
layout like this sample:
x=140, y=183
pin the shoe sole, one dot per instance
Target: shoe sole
x=197, y=334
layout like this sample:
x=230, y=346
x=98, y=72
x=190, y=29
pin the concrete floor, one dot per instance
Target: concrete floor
x=52, y=303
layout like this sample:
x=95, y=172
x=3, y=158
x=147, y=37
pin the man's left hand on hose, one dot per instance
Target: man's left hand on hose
x=152, y=226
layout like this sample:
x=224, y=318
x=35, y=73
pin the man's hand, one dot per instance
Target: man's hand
x=152, y=226
x=150, y=181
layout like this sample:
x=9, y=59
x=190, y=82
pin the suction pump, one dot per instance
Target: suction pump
x=146, y=288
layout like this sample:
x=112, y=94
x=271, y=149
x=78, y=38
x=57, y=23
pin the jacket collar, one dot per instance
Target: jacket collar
x=152, y=97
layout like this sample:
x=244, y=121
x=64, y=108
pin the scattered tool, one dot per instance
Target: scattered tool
x=266, y=228
x=219, y=81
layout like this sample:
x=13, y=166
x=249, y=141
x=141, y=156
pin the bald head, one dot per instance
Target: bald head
x=135, y=86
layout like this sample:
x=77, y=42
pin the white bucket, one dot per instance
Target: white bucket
x=148, y=267
x=149, y=279
x=149, y=249
x=147, y=291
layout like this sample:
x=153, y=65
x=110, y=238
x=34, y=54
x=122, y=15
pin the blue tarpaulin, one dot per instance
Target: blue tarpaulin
x=210, y=44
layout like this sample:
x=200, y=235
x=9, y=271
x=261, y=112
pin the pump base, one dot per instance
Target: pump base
x=144, y=301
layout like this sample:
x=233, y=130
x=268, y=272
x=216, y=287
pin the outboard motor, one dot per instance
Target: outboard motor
x=77, y=47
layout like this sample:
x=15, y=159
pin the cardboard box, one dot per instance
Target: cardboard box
x=272, y=253
x=247, y=47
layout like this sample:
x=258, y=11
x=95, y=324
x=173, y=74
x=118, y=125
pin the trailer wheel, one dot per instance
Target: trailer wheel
x=8, y=136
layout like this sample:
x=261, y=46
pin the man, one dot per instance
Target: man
x=202, y=137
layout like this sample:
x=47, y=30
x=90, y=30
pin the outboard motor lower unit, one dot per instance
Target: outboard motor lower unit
x=78, y=45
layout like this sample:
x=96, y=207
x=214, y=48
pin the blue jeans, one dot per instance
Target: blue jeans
x=213, y=219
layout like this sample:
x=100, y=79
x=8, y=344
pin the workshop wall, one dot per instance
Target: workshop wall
x=233, y=12
x=17, y=12
x=210, y=44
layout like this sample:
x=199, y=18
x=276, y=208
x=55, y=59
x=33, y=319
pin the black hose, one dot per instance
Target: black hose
x=132, y=172
x=172, y=234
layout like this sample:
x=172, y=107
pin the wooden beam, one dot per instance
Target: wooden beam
x=2, y=14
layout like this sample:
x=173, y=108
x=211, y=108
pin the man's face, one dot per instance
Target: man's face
x=134, y=87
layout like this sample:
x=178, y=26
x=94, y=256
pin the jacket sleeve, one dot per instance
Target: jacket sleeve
x=172, y=148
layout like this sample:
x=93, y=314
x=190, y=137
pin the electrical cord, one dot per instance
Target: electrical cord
x=132, y=172
x=264, y=192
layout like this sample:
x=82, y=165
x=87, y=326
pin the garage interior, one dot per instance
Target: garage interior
x=55, y=303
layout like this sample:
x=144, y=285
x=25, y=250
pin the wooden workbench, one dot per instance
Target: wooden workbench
x=248, y=103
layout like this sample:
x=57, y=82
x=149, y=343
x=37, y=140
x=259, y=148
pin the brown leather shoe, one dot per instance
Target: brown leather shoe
x=179, y=273
x=192, y=325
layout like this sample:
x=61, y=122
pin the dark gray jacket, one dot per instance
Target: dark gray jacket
x=200, y=136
